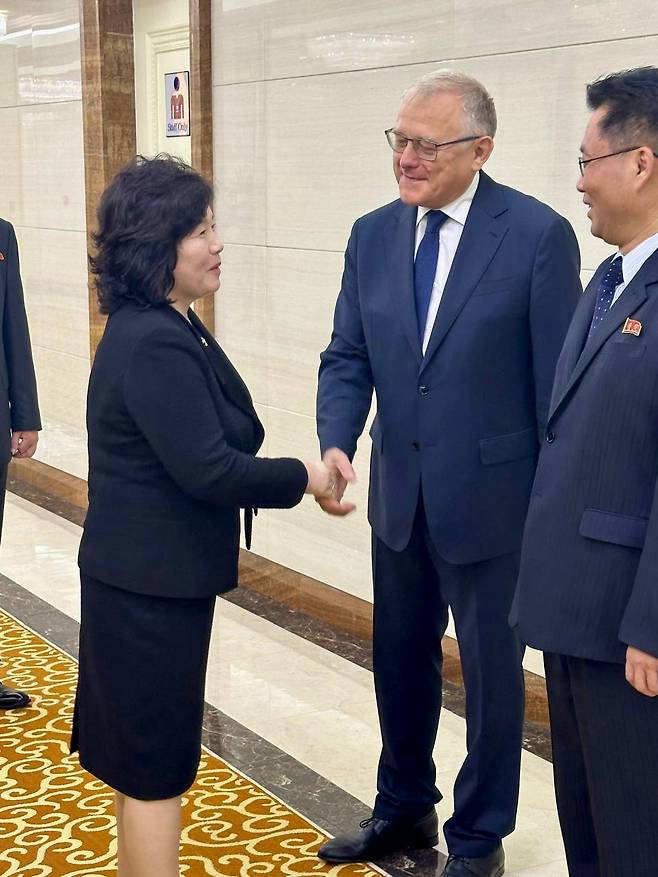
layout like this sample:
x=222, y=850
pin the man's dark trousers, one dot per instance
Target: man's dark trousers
x=597, y=720
x=413, y=590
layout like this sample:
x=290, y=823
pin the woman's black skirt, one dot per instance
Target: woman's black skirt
x=139, y=702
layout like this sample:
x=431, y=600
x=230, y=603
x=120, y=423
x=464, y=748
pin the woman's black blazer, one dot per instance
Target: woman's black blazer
x=172, y=437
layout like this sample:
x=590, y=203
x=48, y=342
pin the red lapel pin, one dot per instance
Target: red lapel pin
x=632, y=327
x=2, y=256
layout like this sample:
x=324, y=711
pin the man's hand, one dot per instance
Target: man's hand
x=338, y=462
x=24, y=443
x=642, y=671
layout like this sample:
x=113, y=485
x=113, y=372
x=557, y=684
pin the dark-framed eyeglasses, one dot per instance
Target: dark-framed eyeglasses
x=424, y=148
x=583, y=162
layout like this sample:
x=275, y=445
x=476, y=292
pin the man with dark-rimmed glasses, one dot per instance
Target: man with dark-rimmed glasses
x=588, y=585
x=454, y=305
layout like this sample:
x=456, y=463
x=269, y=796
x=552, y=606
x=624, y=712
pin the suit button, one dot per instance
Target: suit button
x=550, y=436
x=415, y=446
x=423, y=390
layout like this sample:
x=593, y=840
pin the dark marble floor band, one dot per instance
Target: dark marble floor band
x=298, y=786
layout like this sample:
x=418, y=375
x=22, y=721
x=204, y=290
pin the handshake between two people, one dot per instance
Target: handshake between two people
x=328, y=480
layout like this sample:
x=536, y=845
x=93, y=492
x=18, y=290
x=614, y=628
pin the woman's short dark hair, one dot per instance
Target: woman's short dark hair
x=631, y=100
x=145, y=212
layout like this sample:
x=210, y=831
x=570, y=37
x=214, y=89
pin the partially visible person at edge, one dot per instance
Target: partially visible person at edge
x=588, y=586
x=20, y=421
x=173, y=437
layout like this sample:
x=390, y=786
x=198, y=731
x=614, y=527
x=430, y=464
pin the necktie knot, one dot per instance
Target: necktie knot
x=616, y=271
x=435, y=219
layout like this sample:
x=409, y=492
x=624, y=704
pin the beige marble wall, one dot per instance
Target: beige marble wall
x=302, y=94
x=42, y=194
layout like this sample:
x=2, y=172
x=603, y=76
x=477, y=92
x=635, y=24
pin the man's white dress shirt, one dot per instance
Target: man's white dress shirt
x=449, y=236
x=633, y=261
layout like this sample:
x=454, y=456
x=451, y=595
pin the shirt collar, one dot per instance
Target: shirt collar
x=457, y=209
x=633, y=261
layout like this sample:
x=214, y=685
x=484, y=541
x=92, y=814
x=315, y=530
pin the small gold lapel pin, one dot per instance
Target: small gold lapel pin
x=631, y=327
x=2, y=256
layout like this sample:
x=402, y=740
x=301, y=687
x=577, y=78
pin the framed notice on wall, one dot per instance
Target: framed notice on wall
x=177, y=104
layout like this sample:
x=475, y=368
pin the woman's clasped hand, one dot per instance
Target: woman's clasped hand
x=323, y=482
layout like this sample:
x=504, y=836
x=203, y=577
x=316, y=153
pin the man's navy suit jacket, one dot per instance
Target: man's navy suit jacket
x=589, y=568
x=462, y=421
x=19, y=408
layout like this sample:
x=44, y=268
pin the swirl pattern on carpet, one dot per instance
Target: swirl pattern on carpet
x=56, y=820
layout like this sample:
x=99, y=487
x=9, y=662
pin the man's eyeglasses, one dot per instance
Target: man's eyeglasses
x=583, y=162
x=424, y=148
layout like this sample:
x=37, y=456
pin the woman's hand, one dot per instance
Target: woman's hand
x=321, y=480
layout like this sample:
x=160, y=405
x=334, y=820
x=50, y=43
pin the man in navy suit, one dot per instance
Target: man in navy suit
x=588, y=586
x=19, y=409
x=454, y=305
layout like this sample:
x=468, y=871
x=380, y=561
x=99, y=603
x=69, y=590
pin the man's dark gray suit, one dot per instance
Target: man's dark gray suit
x=587, y=585
x=454, y=450
x=590, y=553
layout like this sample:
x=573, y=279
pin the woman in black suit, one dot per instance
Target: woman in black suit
x=172, y=442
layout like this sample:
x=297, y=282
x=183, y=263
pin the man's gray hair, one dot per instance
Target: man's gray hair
x=478, y=104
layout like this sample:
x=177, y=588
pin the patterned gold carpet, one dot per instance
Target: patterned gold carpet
x=56, y=819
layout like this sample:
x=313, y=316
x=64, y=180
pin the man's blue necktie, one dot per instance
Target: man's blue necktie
x=606, y=292
x=427, y=257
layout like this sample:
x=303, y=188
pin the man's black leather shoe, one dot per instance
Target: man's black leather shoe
x=379, y=837
x=492, y=865
x=12, y=700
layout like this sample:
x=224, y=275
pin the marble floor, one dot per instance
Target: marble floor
x=314, y=706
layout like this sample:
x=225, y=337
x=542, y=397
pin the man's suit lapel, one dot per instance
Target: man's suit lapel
x=483, y=233
x=627, y=304
x=576, y=336
x=400, y=249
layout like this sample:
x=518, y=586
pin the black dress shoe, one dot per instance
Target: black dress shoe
x=12, y=700
x=492, y=865
x=379, y=837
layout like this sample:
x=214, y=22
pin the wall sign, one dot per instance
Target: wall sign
x=177, y=104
